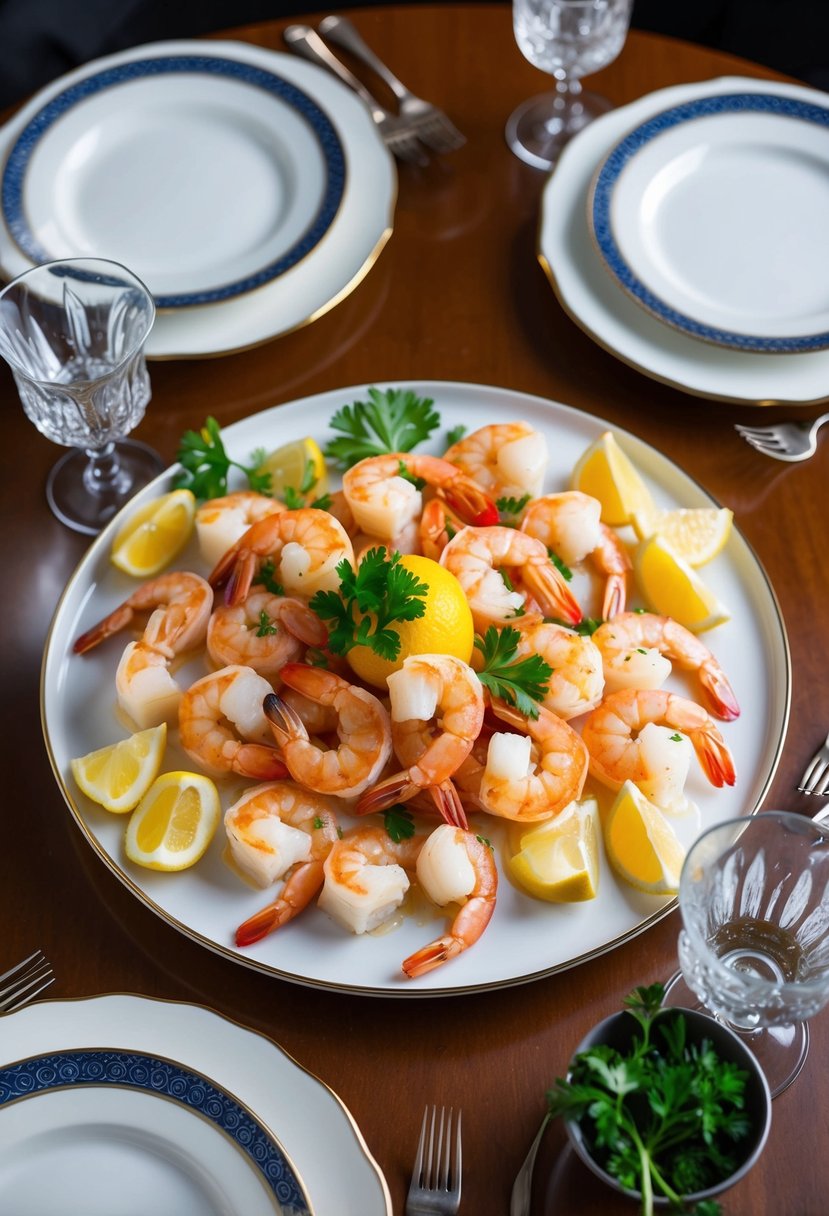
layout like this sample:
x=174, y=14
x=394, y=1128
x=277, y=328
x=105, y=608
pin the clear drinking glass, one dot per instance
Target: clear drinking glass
x=73, y=333
x=754, y=947
x=568, y=39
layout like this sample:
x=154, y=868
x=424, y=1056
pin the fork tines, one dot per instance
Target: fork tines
x=436, y=1176
x=23, y=983
x=816, y=778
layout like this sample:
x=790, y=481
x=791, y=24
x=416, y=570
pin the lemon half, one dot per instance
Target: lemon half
x=154, y=534
x=673, y=588
x=295, y=465
x=641, y=845
x=174, y=823
x=118, y=776
x=606, y=473
x=558, y=860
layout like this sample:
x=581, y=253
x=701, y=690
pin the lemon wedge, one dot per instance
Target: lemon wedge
x=174, y=823
x=154, y=534
x=696, y=534
x=118, y=776
x=641, y=845
x=606, y=473
x=299, y=466
x=673, y=588
x=558, y=859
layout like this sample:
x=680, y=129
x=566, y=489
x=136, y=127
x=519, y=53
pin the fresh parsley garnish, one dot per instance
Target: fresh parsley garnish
x=563, y=569
x=206, y=464
x=265, y=626
x=520, y=682
x=662, y=1116
x=323, y=503
x=455, y=435
x=369, y=600
x=586, y=626
x=510, y=507
x=394, y=420
x=398, y=822
x=266, y=579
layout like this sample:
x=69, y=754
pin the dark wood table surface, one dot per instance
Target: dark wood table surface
x=457, y=294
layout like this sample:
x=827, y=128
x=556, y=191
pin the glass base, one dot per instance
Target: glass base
x=780, y=1050
x=86, y=510
x=539, y=129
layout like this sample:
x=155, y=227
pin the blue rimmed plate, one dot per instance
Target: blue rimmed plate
x=711, y=215
x=83, y=1128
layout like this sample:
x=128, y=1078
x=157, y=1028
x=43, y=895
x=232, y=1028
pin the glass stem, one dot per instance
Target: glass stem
x=103, y=472
x=568, y=88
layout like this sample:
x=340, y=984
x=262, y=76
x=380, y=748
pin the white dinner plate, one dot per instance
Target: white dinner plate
x=248, y=188
x=712, y=215
x=608, y=313
x=90, y=1133
x=200, y=1124
x=526, y=938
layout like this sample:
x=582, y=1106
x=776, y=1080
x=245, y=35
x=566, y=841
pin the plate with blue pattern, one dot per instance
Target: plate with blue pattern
x=711, y=215
x=92, y=1132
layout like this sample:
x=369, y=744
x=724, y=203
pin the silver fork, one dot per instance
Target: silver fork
x=427, y=121
x=397, y=135
x=23, y=983
x=816, y=778
x=435, y=1189
x=785, y=440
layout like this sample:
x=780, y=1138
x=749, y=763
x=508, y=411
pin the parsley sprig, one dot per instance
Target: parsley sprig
x=369, y=600
x=661, y=1117
x=520, y=682
x=206, y=464
x=394, y=420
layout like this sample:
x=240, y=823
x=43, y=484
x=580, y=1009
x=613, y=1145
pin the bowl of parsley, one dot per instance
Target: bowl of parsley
x=666, y=1105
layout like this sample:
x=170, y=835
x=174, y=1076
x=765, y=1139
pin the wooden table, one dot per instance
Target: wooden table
x=457, y=294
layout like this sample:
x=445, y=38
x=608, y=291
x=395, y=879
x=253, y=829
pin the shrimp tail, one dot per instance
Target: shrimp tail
x=114, y=623
x=615, y=596
x=296, y=895
x=447, y=800
x=302, y=623
x=429, y=957
x=259, y=761
x=399, y=788
x=471, y=503
x=467, y=928
x=286, y=723
x=720, y=693
x=549, y=587
x=714, y=756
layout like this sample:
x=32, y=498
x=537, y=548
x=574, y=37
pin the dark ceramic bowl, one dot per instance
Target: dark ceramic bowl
x=618, y=1030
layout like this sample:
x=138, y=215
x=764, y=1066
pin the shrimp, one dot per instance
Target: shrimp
x=366, y=876
x=476, y=557
x=264, y=632
x=507, y=459
x=437, y=709
x=306, y=546
x=221, y=521
x=577, y=681
x=179, y=606
x=363, y=729
x=453, y=866
x=533, y=775
x=384, y=502
x=637, y=650
x=616, y=753
x=570, y=526
x=223, y=728
x=438, y=524
x=274, y=830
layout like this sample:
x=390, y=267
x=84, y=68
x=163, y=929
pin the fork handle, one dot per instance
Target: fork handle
x=343, y=33
x=307, y=42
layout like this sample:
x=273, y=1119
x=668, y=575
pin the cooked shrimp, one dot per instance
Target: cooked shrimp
x=437, y=708
x=363, y=728
x=455, y=866
x=570, y=526
x=438, y=524
x=507, y=459
x=367, y=877
x=179, y=606
x=476, y=557
x=264, y=632
x=384, y=502
x=638, y=648
x=223, y=728
x=532, y=775
x=280, y=829
x=577, y=682
x=306, y=547
x=616, y=753
x=221, y=521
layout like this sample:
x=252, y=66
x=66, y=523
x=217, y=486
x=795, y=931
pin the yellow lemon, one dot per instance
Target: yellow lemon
x=558, y=859
x=299, y=466
x=118, y=776
x=641, y=845
x=606, y=473
x=174, y=822
x=673, y=588
x=445, y=627
x=154, y=534
x=696, y=534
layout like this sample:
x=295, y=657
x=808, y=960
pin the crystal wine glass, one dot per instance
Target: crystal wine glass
x=73, y=333
x=568, y=39
x=754, y=946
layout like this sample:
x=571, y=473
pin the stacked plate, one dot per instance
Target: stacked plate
x=250, y=190
x=686, y=233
